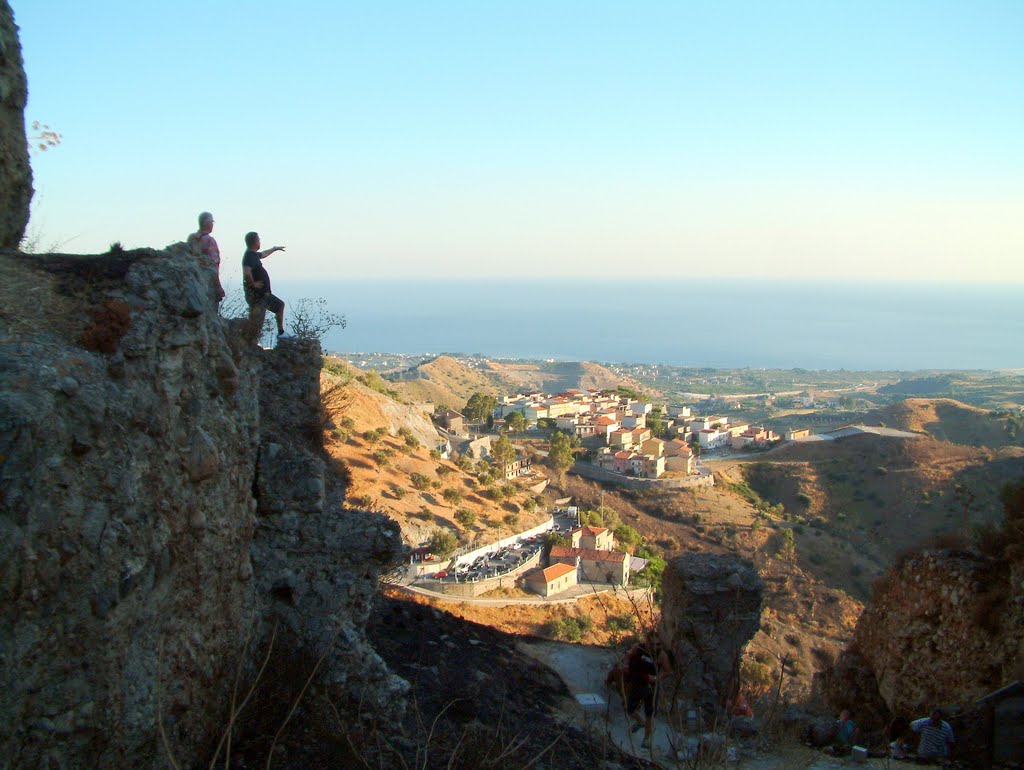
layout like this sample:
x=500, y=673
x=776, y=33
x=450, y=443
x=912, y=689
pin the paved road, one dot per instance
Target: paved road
x=566, y=597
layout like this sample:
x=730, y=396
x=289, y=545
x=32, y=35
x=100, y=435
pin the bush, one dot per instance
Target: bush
x=465, y=517
x=399, y=492
x=452, y=496
x=420, y=481
x=443, y=543
x=435, y=454
x=568, y=629
x=621, y=623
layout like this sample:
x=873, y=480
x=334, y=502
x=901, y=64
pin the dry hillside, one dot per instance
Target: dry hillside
x=449, y=382
x=384, y=472
x=878, y=495
x=445, y=382
x=946, y=420
x=559, y=376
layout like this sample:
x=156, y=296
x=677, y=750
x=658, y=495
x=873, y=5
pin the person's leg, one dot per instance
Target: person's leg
x=276, y=305
x=649, y=721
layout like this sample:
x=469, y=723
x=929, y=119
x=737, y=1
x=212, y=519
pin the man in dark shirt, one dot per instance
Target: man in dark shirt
x=257, y=285
x=646, y=664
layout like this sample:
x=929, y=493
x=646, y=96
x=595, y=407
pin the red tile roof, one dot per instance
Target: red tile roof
x=550, y=573
x=587, y=554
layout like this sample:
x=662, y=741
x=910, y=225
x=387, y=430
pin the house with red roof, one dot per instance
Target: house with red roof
x=551, y=580
x=594, y=538
x=595, y=566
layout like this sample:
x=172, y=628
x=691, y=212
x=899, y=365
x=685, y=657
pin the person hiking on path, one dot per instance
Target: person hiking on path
x=646, y=664
x=202, y=244
x=257, y=286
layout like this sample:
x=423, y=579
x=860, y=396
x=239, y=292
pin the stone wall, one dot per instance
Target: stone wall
x=164, y=507
x=15, y=172
x=711, y=608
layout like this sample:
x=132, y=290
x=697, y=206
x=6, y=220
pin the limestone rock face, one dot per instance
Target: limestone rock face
x=943, y=627
x=711, y=608
x=163, y=506
x=15, y=171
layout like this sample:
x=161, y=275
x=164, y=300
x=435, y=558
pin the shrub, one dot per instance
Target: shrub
x=510, y=519
x=621, y=623
x=465, y=517
x=443, y=543
x=435, y=454
x=452, y=496
x=420, y=481
x=444, y=470
x=399, y=492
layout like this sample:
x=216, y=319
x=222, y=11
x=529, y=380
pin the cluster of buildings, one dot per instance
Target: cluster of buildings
x=590, y=558
x=621, y=426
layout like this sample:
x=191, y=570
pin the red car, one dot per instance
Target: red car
x=441, y=574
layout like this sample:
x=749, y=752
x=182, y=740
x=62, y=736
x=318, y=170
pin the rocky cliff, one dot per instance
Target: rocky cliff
x=165, y=512
x=943, y=627
x=711, y=609
x=15, y=172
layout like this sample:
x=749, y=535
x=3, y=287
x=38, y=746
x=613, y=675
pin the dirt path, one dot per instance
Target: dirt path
x=583, y=669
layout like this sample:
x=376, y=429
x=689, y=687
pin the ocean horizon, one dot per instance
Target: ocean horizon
x=715, y=323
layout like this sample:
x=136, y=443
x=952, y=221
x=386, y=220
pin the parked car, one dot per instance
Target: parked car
x=441, y=574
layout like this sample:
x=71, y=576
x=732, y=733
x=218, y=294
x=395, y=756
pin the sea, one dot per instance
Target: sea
x=719, y=323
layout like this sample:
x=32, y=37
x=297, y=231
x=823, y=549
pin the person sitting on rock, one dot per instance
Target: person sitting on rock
x=202, y=244
x=257, y=286
x=842, y=736
x=936, y=736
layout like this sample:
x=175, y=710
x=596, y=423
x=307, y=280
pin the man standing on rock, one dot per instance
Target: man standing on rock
x=202, y=244
x=257, y=286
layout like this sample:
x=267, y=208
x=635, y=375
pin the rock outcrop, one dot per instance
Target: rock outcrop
x=711, y=608
x=164, y=509
x=15, y=171
x=943, y=627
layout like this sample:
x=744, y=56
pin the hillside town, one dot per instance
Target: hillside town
x=630, y=436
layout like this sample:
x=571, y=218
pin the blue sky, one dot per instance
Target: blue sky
x=869, y=140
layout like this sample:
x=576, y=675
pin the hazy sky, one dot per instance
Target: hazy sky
x=532, y=139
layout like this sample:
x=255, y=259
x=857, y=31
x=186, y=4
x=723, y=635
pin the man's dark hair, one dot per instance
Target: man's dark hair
x=251, y=238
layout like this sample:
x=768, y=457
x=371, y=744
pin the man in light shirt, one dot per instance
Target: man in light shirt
x=936, y=736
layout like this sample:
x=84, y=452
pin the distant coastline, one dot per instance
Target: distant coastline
x=698, y=323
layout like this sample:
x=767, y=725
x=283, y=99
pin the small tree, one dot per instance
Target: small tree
x=503, y=452
x=515, y=422
x=375, y=435
x=787, y=546
x=560, y=453
x=382, y=457
x=443, y=543
x=452, y=496
x=479, y=407
x=420, y=481
x=465, y=517
x=410, y=440
x=310, y=319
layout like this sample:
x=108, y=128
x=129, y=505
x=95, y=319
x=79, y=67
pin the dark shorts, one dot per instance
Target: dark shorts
x=640, y=694
x=270, y=302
